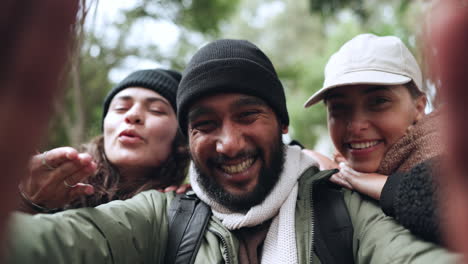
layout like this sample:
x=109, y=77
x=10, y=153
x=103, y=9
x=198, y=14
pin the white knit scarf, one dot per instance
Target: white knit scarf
x=280, y=242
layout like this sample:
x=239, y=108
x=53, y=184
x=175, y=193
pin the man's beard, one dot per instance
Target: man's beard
x=268, y=177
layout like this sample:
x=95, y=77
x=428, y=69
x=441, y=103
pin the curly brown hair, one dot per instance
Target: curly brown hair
x=107, y=182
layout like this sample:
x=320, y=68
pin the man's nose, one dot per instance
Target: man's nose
x=230, y=141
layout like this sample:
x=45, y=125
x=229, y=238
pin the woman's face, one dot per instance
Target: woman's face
x=366, y=120
x=139, y=129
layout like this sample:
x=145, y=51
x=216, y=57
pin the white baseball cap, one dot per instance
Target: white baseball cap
x=369, y=59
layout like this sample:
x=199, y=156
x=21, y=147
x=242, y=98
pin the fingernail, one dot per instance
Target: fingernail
x=89, y=190
x=94, y=164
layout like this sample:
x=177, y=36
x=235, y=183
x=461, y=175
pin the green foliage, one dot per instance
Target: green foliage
x=300, y=42
x=298, y=35
x=328, y=8
x=79, y=115
x=202, y=15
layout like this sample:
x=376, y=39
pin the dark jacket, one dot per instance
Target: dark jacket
x=411, y=197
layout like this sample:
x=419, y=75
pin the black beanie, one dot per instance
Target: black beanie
x=162, y=81
x=230, y=66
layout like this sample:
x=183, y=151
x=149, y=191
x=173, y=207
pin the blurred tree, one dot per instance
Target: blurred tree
x=298, y=35
x=299, y=42
x=95, y=54
x=327, y=8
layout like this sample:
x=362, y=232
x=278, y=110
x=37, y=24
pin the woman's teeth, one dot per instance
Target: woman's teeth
x=233, y=169
x=363, y=145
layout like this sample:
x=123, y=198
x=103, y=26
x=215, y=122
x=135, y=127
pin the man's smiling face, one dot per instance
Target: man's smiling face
x=235, y=143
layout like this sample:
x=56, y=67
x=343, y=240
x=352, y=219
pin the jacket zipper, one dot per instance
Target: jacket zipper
x=225, y=245
x=312, y=214
x=311, y=222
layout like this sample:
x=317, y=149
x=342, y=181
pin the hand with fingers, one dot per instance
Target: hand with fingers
x=325, y=163
x=338, y=158
x=183, y=188
x=370, y=184
x=56, y=179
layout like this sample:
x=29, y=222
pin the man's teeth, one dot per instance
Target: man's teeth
x=363, y=145
x=232, y=169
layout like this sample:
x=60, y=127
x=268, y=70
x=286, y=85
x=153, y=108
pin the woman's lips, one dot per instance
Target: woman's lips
x=129, y=140
x=363, y=147
x=363, y=144
x=129, y=137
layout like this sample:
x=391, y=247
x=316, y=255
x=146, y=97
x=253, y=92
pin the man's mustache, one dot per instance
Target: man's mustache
x=245, y=154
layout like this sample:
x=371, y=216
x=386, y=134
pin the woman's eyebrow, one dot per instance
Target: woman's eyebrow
x=148, y=100
x=376, y=89
x=156, y=99
x=330, y=96
x=123, y=98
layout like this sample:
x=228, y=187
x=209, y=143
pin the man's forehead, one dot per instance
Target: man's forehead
x=212, y=104
x=227, y=100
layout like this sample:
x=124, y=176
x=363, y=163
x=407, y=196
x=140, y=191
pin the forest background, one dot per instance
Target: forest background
x=116, y=37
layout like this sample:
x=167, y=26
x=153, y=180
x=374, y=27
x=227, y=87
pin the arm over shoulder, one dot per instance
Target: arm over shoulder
x=412, y=198
x=379, y=239
x=130, y=231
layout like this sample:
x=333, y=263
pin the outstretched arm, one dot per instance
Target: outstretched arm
x=33, y=51
x=130, y=231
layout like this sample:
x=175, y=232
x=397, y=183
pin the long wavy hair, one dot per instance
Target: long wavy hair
x=107, y=181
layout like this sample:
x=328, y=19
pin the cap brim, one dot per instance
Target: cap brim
x=355, y=78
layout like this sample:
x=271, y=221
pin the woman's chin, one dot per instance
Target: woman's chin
x=365, y=167
x=137, y=162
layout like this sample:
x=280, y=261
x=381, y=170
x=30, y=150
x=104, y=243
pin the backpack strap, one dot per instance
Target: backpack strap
x=188, y=218
x=333, y=230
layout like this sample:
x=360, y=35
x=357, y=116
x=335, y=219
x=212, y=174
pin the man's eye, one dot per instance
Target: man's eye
x=204, y=126
x=248, y=116
x=249, y=113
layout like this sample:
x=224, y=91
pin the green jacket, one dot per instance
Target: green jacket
x=136, y=231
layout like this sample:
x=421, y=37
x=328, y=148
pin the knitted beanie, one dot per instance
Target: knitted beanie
x=162, y=81
x=230, y=66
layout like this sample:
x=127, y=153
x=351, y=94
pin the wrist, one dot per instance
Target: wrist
x=28, y=206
